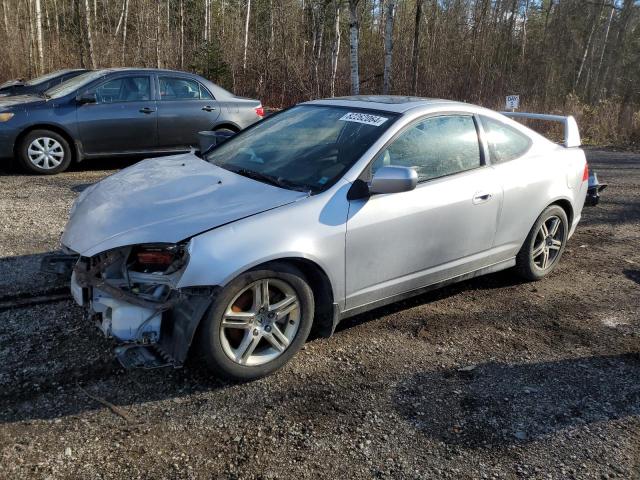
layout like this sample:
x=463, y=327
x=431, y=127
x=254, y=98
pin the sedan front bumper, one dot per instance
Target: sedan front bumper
x=7, y=141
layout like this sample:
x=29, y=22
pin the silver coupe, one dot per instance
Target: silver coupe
x=317, y=213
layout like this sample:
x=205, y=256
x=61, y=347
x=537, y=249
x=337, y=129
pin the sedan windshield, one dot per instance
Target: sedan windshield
x=44, y=78
x=308, y=147
x=73, y=84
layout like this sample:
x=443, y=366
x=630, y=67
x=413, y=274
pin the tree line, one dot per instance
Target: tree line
x=575, y=56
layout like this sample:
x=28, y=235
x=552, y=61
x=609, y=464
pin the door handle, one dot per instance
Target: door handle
x=208, y=108
x=481, y=197
x=147, y=110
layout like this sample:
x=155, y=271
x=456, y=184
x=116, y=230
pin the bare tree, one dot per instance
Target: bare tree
x=207, y=6
x=124, y=29
x=246, y=37
x=158, y=63
x=335, y=49
x=5, y=17
x=181, y=34
x=587, y=47
x=388, y=45
x=39, y=41
x=87, y=17
x=353, y=46
x=416, y=48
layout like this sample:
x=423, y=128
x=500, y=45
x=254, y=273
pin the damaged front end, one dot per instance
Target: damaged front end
x=131, y=294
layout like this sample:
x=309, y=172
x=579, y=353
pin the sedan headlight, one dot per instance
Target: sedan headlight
x=6, y=116
x=159, y=258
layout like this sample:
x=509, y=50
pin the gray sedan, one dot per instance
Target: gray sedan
x=117, y=111
x=320, y=212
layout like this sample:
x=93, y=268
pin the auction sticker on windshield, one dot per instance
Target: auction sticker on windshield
x=366, y=118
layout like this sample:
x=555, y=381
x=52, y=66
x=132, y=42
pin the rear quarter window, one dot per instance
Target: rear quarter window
x=505, y=143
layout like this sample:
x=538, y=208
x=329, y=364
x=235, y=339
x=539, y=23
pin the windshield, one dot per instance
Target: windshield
x=44, y=78
x=307, y=147
x=73, y=84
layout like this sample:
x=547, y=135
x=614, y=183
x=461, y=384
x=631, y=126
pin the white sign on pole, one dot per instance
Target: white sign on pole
x=513, y=102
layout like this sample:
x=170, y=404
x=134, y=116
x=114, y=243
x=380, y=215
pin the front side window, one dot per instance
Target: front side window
x=182, y=89
x=127, y=89
x=304, y=148
x=505, y=143
x=434, y=147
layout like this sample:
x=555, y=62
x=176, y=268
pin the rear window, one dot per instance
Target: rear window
x=505, y=143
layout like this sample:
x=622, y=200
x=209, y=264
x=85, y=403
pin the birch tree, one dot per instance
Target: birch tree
x=39, y=41
x=87, y=16
x=335, y=49
x=124, y=29
x=246, y=37
x=353, y=46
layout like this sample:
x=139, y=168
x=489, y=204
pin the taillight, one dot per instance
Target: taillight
x=260, y=111
x=585, y=173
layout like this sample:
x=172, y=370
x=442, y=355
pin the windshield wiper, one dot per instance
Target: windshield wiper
x=270, y=179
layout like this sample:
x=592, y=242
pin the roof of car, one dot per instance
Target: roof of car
x=386, y=103
x=144, y=69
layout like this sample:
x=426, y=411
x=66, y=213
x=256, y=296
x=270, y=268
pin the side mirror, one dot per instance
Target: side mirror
x=86, y=97
x=393, y=180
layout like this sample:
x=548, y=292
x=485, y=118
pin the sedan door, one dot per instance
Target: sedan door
x=185, y=108
x=443, y=228
x=123, y=119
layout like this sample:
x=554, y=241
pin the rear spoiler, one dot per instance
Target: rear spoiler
x=571, y=132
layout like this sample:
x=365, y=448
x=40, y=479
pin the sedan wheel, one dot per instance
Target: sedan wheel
x=257, y=322
x=44, y=152
x=544, y=245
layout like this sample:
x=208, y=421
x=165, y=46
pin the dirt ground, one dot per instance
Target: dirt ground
x=491, y=378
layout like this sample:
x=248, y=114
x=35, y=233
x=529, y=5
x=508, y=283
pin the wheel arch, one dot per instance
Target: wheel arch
x=75, y=153
x=565, y=204
x=228, y=125
x=323, y=319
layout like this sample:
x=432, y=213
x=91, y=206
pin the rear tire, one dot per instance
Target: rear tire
x=44, y=152
x=244, y=336
x=544, y=245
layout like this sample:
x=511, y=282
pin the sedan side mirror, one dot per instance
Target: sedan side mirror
x=393, y=180
x=86, y=97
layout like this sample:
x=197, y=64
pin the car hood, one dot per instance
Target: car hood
x=165, y=200
x=17, y=100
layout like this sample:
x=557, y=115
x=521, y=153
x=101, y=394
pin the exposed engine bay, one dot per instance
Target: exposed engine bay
x=131, y=295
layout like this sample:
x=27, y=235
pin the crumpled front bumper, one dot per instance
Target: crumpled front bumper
x=150, y=333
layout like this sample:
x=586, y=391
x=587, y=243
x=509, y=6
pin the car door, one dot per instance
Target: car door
x=123, y=118
x=185, y=107
x=443, y=228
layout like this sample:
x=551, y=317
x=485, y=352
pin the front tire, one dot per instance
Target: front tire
x=257, y=322
x=44, y=152
x=544, y=245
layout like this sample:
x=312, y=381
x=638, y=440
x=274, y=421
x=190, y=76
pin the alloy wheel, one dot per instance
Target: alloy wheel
x=548, y=242
x=260, y=322
x=45, y=153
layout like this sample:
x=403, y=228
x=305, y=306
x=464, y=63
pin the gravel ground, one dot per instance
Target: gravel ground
x=491, y=378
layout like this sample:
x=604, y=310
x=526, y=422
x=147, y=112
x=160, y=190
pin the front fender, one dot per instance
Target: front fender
x=313, y=228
